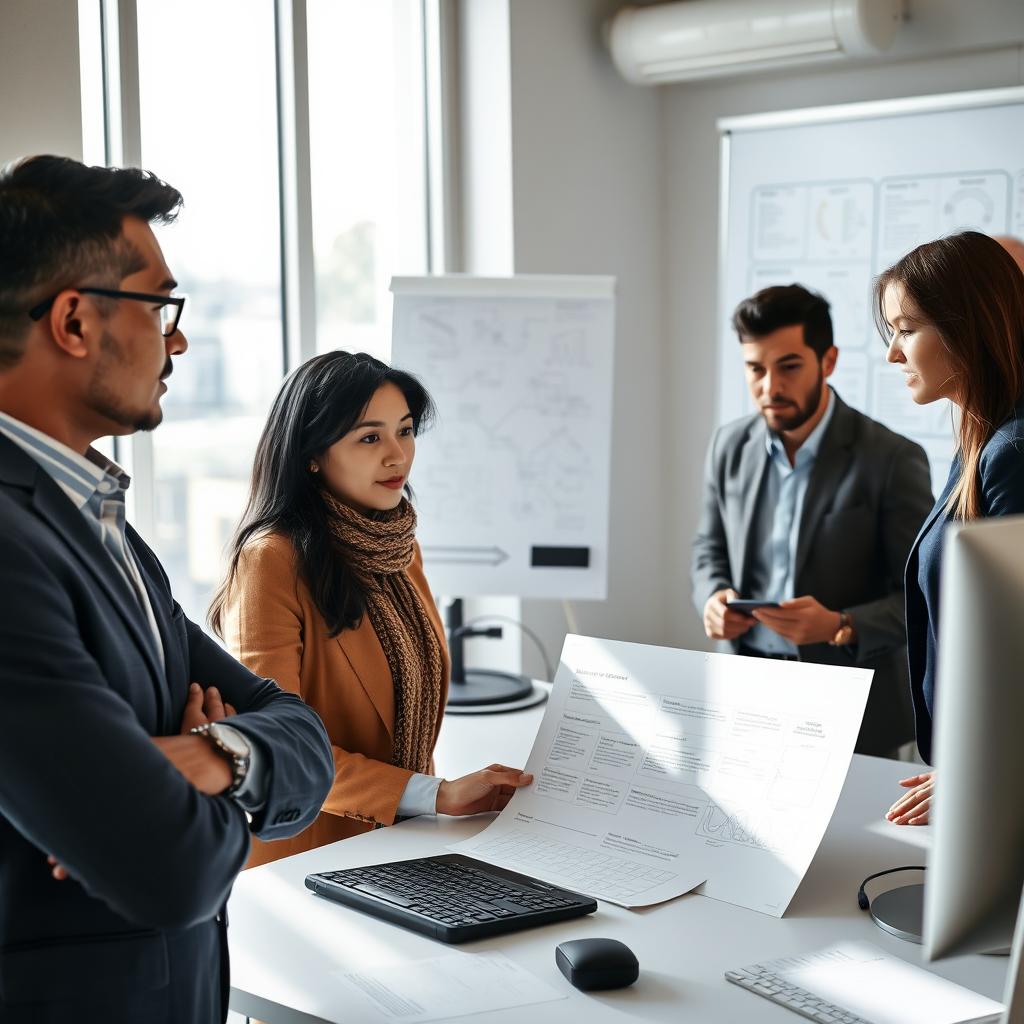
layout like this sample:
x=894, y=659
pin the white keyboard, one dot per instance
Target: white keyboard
x=765, y=981
x=865, y=977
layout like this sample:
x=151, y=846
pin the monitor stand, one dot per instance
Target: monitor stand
x=900, y=912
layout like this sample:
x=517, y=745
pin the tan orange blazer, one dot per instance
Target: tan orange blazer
x=272, y=626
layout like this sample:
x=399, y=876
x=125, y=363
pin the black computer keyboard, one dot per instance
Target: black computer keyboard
x=451, y=898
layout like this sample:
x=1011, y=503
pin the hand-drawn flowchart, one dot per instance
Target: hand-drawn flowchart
x=512, y=482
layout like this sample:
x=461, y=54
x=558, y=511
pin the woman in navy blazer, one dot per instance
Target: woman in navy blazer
x=953, y=314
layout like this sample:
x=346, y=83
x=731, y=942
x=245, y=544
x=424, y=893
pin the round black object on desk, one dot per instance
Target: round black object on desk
x=592, y=964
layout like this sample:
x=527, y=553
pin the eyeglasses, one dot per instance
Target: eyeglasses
x=170, y=305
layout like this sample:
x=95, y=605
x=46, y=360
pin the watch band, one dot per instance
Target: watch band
x=844, y=634
x=239, y=763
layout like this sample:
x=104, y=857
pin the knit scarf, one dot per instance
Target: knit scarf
x=378, y=551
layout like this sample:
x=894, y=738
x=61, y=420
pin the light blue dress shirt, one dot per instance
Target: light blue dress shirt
x=419, y=796
x=777, y=517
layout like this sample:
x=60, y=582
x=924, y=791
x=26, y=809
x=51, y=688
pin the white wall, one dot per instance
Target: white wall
x=587, y=182
x=689, y=115
x=41, y=110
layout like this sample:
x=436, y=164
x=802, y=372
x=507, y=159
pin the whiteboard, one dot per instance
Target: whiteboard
x=511, y=483
x=830, y=197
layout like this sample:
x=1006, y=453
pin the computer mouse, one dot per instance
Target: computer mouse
x=592, y=964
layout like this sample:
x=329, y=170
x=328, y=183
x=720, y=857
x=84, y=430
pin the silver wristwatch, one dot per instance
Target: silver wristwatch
x=232, y=745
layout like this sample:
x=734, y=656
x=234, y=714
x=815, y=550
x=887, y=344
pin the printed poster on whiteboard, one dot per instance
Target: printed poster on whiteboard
x=511, y=483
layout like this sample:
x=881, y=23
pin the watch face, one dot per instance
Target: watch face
x=232, y=740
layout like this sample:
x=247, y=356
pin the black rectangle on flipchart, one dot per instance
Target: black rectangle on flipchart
x=559, y=558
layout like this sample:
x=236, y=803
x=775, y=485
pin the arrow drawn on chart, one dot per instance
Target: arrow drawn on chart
x=492, y=556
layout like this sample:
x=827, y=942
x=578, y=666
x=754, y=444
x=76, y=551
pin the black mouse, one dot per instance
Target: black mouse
x=591, y=964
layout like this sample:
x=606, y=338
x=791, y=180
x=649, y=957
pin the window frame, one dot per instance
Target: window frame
x=116, y=22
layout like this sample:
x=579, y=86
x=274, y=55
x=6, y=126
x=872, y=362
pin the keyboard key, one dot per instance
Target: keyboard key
x=382, y=894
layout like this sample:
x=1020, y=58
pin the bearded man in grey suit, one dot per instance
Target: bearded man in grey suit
x=815, y=506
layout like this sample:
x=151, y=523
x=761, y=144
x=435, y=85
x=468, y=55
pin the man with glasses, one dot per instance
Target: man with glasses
x=135, y=754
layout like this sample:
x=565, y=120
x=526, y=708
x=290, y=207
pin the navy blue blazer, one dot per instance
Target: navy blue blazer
x=138, y=932
x=1001, y=473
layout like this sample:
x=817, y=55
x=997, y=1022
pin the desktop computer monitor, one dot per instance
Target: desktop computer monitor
x=976, y=867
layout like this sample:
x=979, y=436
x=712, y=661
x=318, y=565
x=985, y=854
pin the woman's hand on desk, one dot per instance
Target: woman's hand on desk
x=913, y=807
x=486, y=790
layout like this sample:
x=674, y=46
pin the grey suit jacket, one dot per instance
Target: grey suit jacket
x=868, y=495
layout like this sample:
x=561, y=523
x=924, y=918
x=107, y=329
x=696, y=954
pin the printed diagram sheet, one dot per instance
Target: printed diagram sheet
x=659, y=770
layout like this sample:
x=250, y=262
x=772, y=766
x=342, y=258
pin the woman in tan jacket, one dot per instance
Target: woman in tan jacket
x=325, y=593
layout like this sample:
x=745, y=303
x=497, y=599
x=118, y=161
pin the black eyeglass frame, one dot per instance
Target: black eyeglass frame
x=178, y=301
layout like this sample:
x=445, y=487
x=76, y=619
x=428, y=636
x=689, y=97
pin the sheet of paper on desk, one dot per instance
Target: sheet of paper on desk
x=868, y=982
x=445, y=987
x=659, y=770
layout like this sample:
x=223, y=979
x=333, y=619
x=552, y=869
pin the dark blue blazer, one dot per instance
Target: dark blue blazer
x=138, y=932
x=1001, y=474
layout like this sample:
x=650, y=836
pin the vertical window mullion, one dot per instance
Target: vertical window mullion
x=441, y=123
x=124, y=149
x=93, y=88
x=298, y=276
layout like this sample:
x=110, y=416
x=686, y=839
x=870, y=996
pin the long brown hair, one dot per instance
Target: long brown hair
x=971, y=291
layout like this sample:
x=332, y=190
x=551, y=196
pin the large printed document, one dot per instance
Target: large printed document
x=658, y=770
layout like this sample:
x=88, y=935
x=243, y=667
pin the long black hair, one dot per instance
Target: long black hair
x=317, y=405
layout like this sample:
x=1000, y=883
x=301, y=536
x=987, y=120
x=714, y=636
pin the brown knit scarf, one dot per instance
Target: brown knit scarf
x=378, y=550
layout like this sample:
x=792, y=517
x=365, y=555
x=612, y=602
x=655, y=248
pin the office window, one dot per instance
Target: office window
x=208, y=120
x=208, y=117
x=368, y=164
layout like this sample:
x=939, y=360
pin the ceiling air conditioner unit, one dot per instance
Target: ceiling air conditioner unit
x=691, y=39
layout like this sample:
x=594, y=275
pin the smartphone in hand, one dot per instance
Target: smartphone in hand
x=745, y=607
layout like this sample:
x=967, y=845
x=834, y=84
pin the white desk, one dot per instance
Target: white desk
x=286, y=944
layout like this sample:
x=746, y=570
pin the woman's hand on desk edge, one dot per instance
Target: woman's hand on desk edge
x=486, y=790
x=913, y=807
